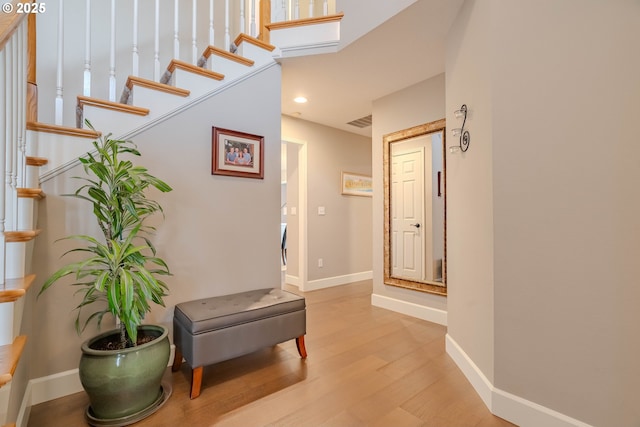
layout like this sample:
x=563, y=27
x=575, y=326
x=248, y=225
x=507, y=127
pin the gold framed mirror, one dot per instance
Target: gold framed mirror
x=415, y=246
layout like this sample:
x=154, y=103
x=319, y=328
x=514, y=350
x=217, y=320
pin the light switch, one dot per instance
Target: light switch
x=293, y=210
x=320, y=210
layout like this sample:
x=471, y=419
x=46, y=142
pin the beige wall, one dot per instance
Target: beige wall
x=415, y=105
x=221, y=234
x=470, y=237
x=552, y=89
x=341, y=237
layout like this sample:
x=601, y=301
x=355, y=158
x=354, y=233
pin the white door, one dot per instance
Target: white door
x=407, y=214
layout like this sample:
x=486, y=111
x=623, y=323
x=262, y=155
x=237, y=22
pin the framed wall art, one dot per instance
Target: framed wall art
x=236, y=153
x=354, y=184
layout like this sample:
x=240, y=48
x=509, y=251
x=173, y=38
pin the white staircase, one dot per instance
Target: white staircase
x=144, y=103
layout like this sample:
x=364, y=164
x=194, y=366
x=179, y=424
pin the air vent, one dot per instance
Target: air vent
x=362, y=122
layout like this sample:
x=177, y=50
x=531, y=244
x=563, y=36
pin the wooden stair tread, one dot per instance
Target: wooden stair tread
x=9, y=358
x=31, y=193
x=36, y=161
x=109, y=105
x=212, y=50
x=304, y=21
x=20, y=235
x=150, y=84
x=14, y=289
x=62, y=130
x=247, y=38
x=175, y=63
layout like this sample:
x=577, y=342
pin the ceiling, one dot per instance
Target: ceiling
x=341, y=87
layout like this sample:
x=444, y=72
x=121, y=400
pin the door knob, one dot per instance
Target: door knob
x=416, y=225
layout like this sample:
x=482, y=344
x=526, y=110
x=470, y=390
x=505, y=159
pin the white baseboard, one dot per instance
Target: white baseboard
x=429, y=314
x=292, y=280
x=54, y=386
x=328, y=282
x=503, y=404
x=44, y=389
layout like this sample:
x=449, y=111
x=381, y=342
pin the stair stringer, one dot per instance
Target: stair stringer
x=63, y=151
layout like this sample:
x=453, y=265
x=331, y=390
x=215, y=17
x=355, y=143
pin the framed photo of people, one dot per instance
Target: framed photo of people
x=236, y=153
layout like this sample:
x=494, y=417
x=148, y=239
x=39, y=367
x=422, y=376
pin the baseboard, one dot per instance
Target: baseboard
x=429, y=314
x=512, y=408
x=44, y=389
x=292, y=280
x=54, y=386
x=328, y=282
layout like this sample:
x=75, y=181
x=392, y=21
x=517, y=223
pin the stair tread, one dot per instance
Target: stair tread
x=247, y=38
x=176, y=63
x=14, y=289
x=150, y=84
x=115, y=106
x=9, y=358
x=36, y=161
x=212, y=50
x=31, y=193
x=62, y=130
x=20, y=235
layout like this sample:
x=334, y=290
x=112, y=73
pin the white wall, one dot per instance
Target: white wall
x=412, y=106
x=341, y=237
x=548, y=190
x=221, y=234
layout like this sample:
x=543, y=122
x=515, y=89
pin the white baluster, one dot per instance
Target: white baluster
x=296, y=10
x=325, y=8
x=10, y=124
x=254, y=27
x=156, y=48
x=4, y=113
x=211, y=32
x=59, y=73
x=194, y=33
x=135, y=65
x=15, y=131
x=22, y=98
x=112, y=54
x=242, y=16
x=176, y=25
x=86, y=86
x=227, y=37
x=311, y=7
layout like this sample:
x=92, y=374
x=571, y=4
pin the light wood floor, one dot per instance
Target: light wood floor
x=366, y=367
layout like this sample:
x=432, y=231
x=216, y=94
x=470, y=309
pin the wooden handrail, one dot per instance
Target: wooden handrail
x=9, y=23
x=305, y=21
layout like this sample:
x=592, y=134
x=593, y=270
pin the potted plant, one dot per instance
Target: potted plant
x=119, y=274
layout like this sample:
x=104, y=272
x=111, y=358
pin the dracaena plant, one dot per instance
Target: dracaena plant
x=120, y=269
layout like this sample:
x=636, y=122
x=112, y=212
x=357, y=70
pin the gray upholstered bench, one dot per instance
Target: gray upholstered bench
x=215, y=329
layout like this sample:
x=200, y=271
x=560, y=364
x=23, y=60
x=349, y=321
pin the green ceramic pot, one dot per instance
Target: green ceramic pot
x=125, y=382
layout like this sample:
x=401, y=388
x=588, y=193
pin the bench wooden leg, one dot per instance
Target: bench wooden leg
x=177, y=360
x=301, y=348
x=196, y=382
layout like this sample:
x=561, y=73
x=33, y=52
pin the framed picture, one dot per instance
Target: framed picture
x=236, y=153
x=354, y=184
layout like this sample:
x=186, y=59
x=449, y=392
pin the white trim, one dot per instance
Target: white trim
x=429, y=314
x=301, y=280
x=478, y=380
x=292, y=280
x=54, y=386
x=328, y=282
x=503, y=404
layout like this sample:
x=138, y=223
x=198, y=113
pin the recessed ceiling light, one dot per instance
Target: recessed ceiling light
x=300, y=100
